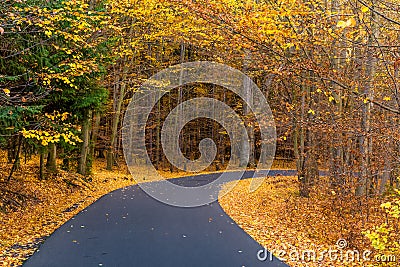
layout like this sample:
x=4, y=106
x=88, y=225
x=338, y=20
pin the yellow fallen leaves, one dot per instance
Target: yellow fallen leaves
x=277, y=218
x=55, y=201
x=351, y=22
x=51, y=203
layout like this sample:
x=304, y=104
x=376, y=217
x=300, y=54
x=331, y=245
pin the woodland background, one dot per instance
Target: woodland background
x=329, y=69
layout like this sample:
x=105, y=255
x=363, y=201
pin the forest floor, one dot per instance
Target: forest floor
x=32, y=209
x=291, y=226
x=274, y=215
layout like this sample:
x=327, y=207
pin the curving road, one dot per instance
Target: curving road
x=129, y=228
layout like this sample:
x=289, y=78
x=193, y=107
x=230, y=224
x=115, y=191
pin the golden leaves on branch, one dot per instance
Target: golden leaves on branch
x=56, y=131
x=71, y=29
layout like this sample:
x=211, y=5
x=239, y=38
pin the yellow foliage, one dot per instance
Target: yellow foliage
x=71, y=26
x=56, y=129
x=364, y=9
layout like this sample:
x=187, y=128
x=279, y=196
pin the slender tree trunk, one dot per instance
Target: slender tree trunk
x=247, y=146
x=178, y=118
x=120, y=87
x=52, y=158
x=301, y=155
x=12, y=148
x=95, y=132
x=385, y=176
x=365, y=141
x=42, y=166
x=115, y=123
x=16, y=162
x=296, y=151
x=82, y=164
x=158, y=135
x=307, y=165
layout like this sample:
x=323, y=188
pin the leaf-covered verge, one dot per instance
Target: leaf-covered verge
x=280, y=220
x=31, y=209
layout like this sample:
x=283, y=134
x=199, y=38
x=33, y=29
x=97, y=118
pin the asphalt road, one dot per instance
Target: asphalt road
x=129, y=228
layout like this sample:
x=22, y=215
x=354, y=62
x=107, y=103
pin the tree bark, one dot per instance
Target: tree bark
x=82, y=164
x=42, y=151
x=119, y=90
x=247, y=146
x=365, y=141
x=52, y=158
x=95, y=132
x=16, y=158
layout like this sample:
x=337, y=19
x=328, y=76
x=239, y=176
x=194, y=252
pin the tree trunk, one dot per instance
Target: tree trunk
x=16, y=158
x=365, y=141
x=12, y=148
x=118, y=97
x=336, y=160
x=119, y=90
x=95, y=132
x=301, y=174
x=52, y=158
x=307, y=166
x=385, y=176
x=42, y=151
x=247, y=146
x=82, y=164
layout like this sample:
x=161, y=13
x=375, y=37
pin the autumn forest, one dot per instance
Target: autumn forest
x=329, y=71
